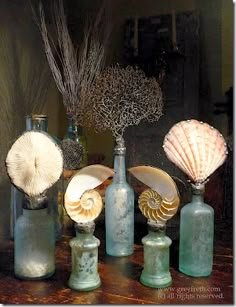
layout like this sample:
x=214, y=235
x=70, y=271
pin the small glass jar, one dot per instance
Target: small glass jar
x=84, y=247
x=34, y=241
x=156, y=245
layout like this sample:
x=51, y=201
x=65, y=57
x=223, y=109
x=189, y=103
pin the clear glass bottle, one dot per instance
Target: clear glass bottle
x=34, y=241
x=84, y=247
x=119, y=209
x=76, y=133
x=33, y=122
x=156, y=246
x=196, y=235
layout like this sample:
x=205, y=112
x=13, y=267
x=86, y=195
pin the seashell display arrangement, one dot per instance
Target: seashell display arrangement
x=159, y=203
x=34, y=162
x=84, y=204
x=196, y=148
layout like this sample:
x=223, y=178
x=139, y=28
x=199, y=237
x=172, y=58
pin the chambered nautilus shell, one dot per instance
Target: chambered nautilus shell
x=83, y=203
x=196, y=148
x=161, y=201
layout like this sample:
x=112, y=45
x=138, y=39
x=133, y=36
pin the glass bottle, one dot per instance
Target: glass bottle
x=196, y=235
x=33, y=122
x=34, y=240
x=156, y=246
x=76, y=133
x=84, y=247
x=119, y=209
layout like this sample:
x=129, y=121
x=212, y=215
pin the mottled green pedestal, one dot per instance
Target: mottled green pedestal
x=84, y=275
x=156, y=245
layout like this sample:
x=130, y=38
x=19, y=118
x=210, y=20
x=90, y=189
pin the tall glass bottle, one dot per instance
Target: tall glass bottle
x=196, y=235
x=33, y=122
x=34, y=240
x=156, y=246
x=84, y=247
x=119, y=209
x=37, y=122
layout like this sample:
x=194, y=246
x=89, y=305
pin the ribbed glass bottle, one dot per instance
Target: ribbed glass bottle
x=119, y=209
x=34, y=241
x=196, y=235
x=84, y=248
x=156, y=246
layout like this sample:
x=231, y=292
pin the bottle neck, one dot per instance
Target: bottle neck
x=156, y=229
x=198, y=193
x=74, y=132
x=119, y=167
x=37, y=122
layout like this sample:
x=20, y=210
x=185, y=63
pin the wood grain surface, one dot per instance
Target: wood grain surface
x=120, y=279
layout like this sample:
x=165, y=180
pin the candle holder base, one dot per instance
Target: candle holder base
x=155, y=281
x=76, y=283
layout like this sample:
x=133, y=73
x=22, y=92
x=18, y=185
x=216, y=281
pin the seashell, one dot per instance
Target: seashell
x=196, y=148
x=157, y=180
x=82, y=203
x=155, y=208
x=34, y=162
x=161, y=202
x=86, y=209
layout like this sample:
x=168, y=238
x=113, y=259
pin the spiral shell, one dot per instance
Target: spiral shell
x=86, y=209
x=155, y=208
x=82, y=203
x=160, y=202
x=196, y=148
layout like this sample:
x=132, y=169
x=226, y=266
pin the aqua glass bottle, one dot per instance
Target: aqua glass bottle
x=119, y=209
x=34, y=241
x=84, y=247
x=196, y=235
x=33, y=122
x=156, y=246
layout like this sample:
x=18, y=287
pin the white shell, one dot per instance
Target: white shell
x=196, y=148
x=157, y=180
x=161, y=202
x=87, y=178
x=86, y=209
x=81, y=202
x=34, y=162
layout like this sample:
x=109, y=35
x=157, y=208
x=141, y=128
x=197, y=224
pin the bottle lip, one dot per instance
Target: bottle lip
x=37, y=116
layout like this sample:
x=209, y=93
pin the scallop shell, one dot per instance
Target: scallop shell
x=160, y=202
x=86, y=209
x=34, y=162
x=155, y=208
x=196, y=148
x=81, y=202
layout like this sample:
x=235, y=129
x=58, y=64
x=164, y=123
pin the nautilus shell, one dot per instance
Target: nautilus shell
x=34, y=162
x=82, y=203
x=161, y=201
x=196, y=148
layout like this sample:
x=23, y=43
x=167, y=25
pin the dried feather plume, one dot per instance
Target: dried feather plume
x=78, y=68
x=122, y=97
x=34, y=162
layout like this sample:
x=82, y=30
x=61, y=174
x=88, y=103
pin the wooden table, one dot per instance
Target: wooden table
x=120, y=279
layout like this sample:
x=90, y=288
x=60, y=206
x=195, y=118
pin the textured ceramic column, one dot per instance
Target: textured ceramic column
x=84, y=246
x=156, y=245
x=119, y=209
x=34, y=241
x=196, y=235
